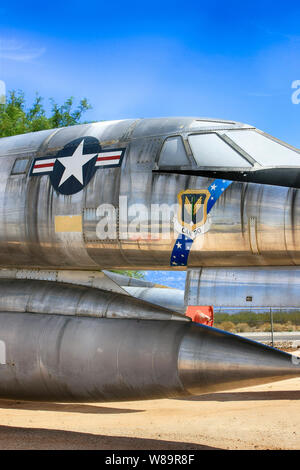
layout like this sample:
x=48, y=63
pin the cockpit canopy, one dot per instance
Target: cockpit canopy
x=242, y=153
x=241, y=148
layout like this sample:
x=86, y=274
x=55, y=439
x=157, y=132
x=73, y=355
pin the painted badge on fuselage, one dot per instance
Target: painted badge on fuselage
x=192, y=212
x=72, y=168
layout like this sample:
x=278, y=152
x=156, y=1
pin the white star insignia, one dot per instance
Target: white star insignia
x=179, y=245
x=74, y=164
x=213, y=187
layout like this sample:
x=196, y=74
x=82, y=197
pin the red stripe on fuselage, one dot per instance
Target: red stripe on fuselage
x=99, y=159
x=44, y=165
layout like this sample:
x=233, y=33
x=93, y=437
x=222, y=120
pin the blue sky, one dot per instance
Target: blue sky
x=169, y=278
x=138, y=59
x=233, y=60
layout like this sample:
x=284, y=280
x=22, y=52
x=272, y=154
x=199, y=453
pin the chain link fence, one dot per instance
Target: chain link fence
x=272, y=326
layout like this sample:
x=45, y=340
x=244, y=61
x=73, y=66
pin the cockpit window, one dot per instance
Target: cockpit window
x=211, y=150
x=264, y=150
x=173, y=153
x=20, y=166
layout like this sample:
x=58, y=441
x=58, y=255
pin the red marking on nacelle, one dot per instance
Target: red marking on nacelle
x=203, y=314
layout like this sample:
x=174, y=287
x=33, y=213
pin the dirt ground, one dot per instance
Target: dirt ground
x=262, y=417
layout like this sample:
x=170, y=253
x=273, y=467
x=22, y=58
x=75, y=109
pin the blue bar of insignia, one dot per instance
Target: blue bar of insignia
x=216, y=189
x=181, y=250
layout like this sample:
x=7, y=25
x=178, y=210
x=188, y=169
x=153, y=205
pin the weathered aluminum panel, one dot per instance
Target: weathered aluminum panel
x=251, y=224
x=55, y=298
x=67, y=358
x=96, y=279
x=173, y=299
x=232, y=288
x=24, y=144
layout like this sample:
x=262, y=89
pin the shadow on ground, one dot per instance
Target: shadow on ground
x=248, y=396
x=43, y=439
x=63, y=407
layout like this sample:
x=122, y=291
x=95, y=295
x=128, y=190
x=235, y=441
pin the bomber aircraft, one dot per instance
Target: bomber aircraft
x=167, y=194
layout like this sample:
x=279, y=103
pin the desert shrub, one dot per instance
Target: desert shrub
x=227, y=326
x=242, y=327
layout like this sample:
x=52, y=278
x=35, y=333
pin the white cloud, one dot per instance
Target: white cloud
x=12, y=49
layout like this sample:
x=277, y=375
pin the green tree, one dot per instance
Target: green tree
x=16, y=118
x=135, y=274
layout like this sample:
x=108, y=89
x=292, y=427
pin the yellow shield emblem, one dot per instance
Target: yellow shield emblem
x=192, y=211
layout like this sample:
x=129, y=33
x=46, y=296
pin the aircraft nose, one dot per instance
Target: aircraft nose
x=213, y=360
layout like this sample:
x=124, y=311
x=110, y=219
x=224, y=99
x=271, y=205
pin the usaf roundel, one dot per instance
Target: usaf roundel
x=74, y=166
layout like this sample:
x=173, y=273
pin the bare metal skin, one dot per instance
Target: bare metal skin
x=82, y=358
x=66, y=334
x=29, y=205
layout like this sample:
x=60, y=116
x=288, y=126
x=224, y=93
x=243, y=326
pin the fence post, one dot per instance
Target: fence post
x=272, y=329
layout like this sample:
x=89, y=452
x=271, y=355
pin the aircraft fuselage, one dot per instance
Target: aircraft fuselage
x=103, y=196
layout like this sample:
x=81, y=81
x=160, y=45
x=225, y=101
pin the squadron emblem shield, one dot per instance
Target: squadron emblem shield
x=193, y=218
x=192, y=212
